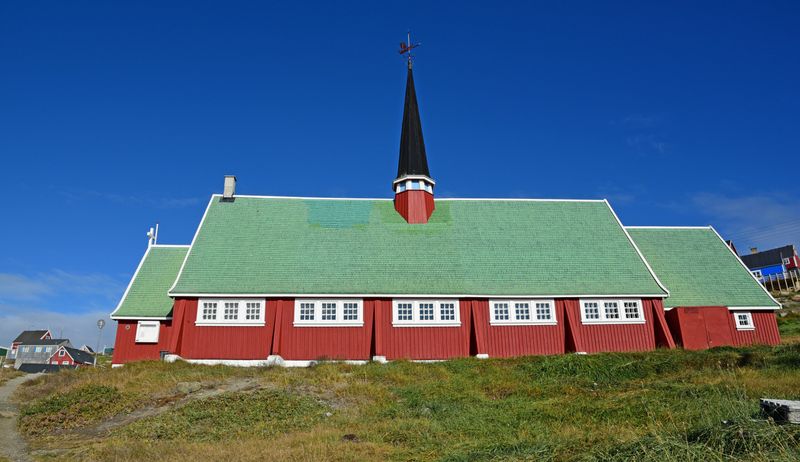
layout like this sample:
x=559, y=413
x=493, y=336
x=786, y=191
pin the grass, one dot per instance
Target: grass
x=789, y=326
x=8, y=373
x=659, y=406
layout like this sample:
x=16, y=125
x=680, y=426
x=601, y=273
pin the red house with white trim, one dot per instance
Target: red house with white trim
x=290, y=280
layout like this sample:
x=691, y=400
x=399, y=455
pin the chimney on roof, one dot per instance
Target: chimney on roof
x=753, y=250
x=229, y=190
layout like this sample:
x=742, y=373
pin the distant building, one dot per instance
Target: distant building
x=38, y=347
x=772, y=263
x=87, y=349
x=26, y=337
x=66, y=356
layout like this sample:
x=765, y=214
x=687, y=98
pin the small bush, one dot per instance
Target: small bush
x=71, y=409
x=230, y=416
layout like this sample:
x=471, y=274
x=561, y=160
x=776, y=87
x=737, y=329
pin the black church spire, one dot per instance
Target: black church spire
x=413, y=161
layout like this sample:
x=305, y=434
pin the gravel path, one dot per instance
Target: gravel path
x=12, y=445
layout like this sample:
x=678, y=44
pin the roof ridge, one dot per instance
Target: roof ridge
x=497, y=199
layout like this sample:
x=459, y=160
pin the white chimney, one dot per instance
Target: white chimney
x=229, y=189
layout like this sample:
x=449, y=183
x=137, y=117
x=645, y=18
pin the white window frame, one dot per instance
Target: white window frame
x=65, y=363
x=749, y=315
x=339, y=313
x=757, y=273
x=437, y=320
x=141, y=334
x=512, y=313
x=787, y=261
x=62, y=353
x=241, y=314
x=603, y=319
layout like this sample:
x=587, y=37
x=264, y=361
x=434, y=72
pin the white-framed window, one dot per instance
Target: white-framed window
x=744, y=320
x=328, y=313
x=757, y=273
x=230, y=312
x=48, y=349
x=425, y=313
x=522, y=312
x=350, y=311
x=787, y=261
x=253, y=311
x=65, y=363
x=612, y=311
x=208, y=310
x=38, y=349
x=147, y=331
x=61, y=353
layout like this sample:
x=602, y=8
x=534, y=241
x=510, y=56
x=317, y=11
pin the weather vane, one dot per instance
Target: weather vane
x=405, y=48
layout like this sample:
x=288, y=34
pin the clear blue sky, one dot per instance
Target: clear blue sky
x=114, y=116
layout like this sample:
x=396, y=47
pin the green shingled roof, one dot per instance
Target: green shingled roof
x=261, y=245
x=698, y=268
x=147, y=294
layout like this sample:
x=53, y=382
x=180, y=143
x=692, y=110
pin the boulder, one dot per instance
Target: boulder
x=185, y=388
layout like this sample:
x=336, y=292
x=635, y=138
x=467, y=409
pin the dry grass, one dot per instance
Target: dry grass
x=8, y=373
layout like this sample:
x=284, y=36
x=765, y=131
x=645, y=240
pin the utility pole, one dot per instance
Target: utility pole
x=101, y=323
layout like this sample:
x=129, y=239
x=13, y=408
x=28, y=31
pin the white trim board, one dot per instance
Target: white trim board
x=668, y=227
x=194, y=239
x=414, y=296
x=639, y=252
x=140, y=318
x=133, y=278
x=730, y=308
x=746, y=268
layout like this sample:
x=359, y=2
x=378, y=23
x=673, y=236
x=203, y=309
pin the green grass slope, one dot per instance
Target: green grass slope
x=660, y=406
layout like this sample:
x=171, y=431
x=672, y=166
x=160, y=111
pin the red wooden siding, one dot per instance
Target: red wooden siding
x=65, y=360
x=416, y=206
x=702, y=327
x=221, y=342
x=310, y=343
x=378, y=337
x=766, y=331
x=594, y=338
x=420, y=342
x=126, y=349
x=507, y=341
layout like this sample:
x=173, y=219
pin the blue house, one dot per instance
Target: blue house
x=772, y=263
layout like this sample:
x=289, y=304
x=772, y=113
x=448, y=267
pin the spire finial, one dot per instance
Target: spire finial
x=405, y=49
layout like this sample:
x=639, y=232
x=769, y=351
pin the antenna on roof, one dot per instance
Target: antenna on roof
x=152, y=236
x=405, y=48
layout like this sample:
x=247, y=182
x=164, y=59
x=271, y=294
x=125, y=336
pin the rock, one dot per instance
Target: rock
x=350, y=437
x=188, y=387
x=328, y=414
x=796, y=298
x=781, y=410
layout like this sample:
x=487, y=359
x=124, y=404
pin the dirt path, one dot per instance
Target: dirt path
x=12, y=445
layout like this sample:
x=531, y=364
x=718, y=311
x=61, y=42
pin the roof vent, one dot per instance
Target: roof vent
x=229, y=189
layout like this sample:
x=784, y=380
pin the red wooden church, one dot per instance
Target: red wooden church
x=290, y=280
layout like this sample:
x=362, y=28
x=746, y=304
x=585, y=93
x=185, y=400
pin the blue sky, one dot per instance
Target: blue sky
x=115, y=116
